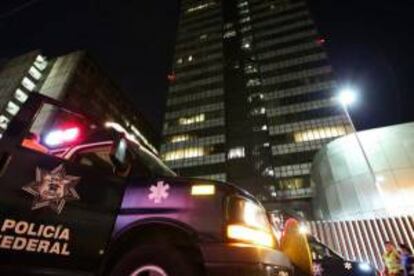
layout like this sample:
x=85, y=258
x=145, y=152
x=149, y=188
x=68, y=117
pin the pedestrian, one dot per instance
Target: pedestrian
x=407, y=260
x=391, y=260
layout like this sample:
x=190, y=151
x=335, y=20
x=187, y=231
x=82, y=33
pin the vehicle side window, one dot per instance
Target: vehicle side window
x=140, y=169
x=98, y=158
x=319, y=252
x=146, y=164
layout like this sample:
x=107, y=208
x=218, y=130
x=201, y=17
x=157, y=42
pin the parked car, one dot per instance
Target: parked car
x=328, y=262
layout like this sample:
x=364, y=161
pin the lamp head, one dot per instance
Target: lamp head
x=347, y=96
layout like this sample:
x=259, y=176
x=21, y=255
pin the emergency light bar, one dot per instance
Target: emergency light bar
x=59, y=136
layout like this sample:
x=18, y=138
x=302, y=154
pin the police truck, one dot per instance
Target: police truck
x=78, y=197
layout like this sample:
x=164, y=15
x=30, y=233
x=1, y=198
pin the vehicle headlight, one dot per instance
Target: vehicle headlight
x=364, y=267
x=248, y=222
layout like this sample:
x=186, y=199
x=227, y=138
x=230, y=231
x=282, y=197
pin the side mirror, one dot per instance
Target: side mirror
x=120, y=158
x=119, y=152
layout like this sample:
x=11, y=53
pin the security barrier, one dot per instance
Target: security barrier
x=364, y=239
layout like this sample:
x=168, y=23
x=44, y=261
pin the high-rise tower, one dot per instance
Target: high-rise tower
x=251, y=98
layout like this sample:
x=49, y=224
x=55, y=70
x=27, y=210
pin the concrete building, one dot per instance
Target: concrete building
x=345, y=186
x=74, y=78
x=252, y=98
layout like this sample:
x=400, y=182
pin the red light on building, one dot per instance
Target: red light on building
x=320, y=40
x=172, y=77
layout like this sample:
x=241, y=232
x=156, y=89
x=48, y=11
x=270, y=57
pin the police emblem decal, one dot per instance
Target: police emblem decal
x=52, y=189
x=159, y=192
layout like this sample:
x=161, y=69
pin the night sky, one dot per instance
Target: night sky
x=370, y=44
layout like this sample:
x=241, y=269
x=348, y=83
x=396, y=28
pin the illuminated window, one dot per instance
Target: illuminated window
x=190, y=58
x=12, y=108
x=218, y=176
x=247, y=41
x=40, y=62
x=4, y=121
x=20, y=95
x=244, y=11
x=246, y=29
x=184, y=153
x=236, y=153
x=228, y=26
x=35, y=73
x=179, y=138
x=179, y=61
x=256, y=96
x=258, y=111
x=250, y=68
x=203, y=37
x=28, y=84
x=253, y=82
x=242, y=4
x=319, y=133
x=192, y=120
x=199, y=7
x=269, y=171
x=246, y=45
x=260, y=128
x=245, y=19
x=229, y=34
x=40, y=58
x=291, y=184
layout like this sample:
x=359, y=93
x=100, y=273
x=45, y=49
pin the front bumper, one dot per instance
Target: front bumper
x=241, y=260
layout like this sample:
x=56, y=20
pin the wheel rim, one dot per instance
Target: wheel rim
x=149, y=270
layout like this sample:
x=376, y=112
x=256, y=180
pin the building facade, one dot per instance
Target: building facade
x=251, y=99
x=74, y=78
x=347, y=188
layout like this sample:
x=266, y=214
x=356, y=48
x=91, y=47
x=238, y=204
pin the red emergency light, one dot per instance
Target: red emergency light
x=62, y=136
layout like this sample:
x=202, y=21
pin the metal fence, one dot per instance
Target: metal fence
x=364, y=239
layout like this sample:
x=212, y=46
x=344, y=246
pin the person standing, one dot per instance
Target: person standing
x=391, y=260
x=407, y=260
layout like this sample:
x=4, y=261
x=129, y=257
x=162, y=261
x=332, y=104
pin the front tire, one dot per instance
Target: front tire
x=155, y=260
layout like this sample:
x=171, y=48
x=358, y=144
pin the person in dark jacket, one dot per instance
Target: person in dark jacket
x=407, y=260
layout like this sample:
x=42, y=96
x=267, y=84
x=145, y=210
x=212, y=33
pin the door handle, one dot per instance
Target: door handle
x=5, y=159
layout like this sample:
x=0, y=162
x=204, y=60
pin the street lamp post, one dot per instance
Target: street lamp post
x=346, y=97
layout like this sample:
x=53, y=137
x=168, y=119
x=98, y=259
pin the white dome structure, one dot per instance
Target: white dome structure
x=346, y=187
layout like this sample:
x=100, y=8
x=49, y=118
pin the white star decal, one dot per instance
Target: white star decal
x=159, y=192
x=348, y=266
x=52, y=189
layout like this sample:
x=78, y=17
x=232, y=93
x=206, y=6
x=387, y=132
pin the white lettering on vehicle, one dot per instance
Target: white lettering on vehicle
x=32, y=237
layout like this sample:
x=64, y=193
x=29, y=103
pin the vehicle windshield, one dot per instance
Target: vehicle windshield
x=322, y=250
x=151, y=162
x=142, y=158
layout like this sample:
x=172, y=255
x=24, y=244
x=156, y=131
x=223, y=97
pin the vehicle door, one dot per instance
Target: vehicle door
x=55, y=214
x=326, y=262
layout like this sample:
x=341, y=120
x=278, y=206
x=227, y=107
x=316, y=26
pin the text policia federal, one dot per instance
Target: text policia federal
x=32, y=237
